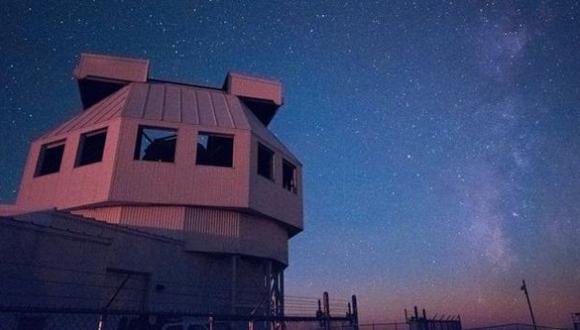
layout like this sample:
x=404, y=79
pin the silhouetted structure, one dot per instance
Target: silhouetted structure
x=421, y=322
x=156, y=195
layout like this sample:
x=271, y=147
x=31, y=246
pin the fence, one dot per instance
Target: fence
x=52, y=319
x=27, y=285
x=517, y=326
x=309, y=306
x=384, y=326
x=304, y=313
x=34, y=297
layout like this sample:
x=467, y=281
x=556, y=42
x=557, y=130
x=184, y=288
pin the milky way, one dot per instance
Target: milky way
x=440, y=140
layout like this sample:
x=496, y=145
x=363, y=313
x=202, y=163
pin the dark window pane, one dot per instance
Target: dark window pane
x=265, y=161
x=215, y=150
x=91, y=147
x=289, y=176
x=50, y=158
x=156, y=144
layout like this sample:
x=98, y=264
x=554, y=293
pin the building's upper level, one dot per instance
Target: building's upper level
x=141, y=141
x=100, y=76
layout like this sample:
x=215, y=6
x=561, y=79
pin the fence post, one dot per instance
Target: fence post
x=250, y=325
x=210, y=321
x=349, y=311
x=326, y=304
x=354, y=316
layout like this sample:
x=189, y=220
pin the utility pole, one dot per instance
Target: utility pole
x=525, y=289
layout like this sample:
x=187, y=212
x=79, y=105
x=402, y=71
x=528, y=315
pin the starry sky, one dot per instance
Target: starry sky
x=440, y=139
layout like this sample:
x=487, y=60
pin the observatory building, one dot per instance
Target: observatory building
x=164, y=193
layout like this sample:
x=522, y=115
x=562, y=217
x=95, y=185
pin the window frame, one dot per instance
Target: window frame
x=222, y=135
x=272, y=163
x=138, y=142
x=294, y=188
x=42, y=154
x=81, y=145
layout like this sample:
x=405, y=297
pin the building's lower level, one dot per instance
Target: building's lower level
x=60, y=260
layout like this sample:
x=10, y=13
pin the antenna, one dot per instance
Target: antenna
x=525, y=289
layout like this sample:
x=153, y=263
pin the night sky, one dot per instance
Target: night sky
x=440, y=140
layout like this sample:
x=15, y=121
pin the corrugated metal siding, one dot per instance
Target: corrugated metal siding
x=212, y=222
x=203, y=229
x=107, y=214
x=100, y=112
x=190, y=114
x=137, y=99
x=207, y=115
x=154, y=104
x=113, y=103
x=223, y=116
x=185, y=104
x=174, y=103
x=235, y=108
x=257, y=236
x=169, y=218
x=197, y=220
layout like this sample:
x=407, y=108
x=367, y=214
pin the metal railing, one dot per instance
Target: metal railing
x=60, y=318
x=516, y=326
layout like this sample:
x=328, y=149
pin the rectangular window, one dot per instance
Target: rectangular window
x=50, y=158
x=289, y=176
x=265, y=162
x=91, y=147
x=215, y=150
x=156, y=144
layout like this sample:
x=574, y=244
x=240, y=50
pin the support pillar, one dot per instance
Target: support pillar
x=234, y=293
